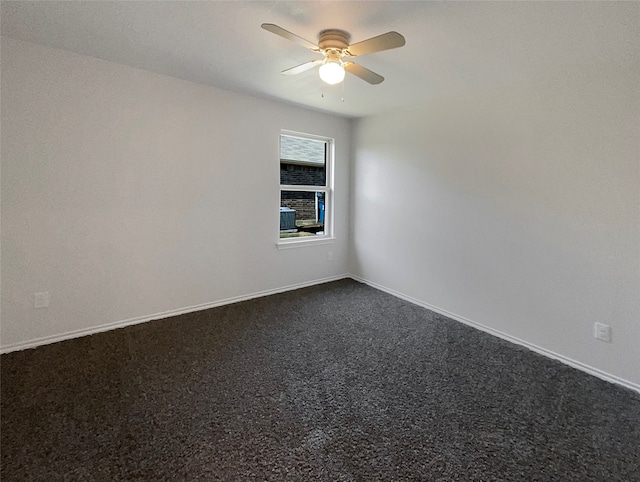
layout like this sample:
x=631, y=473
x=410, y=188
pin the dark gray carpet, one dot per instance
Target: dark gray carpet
x=337, y=382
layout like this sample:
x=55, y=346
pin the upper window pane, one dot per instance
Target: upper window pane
x=302, y=161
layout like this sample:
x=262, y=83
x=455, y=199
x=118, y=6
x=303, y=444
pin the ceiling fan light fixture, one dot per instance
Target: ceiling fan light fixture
x=332, y=72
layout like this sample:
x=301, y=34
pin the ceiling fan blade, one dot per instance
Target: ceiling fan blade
x=386, y=41
x=363, y=73
x=289, y=36
x=302, y=67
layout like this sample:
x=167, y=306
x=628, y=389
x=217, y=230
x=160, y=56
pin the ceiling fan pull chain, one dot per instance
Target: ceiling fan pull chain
x=342, y=91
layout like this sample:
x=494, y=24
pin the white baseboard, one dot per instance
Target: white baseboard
x=156, y=316
x=166, y=314
x=542, y=351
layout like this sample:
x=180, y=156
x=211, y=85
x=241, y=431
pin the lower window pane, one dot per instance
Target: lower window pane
x=302, y=213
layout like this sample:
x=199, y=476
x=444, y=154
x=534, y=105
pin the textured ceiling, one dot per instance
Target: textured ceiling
x=451, y=46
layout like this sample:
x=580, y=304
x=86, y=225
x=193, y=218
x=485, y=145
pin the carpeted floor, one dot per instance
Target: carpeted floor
x=337, y=382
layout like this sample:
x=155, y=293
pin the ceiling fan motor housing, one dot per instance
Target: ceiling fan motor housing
x=333, y=39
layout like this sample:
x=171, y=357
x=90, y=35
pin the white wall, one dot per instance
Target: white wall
x=515, y=206
x=126, y=193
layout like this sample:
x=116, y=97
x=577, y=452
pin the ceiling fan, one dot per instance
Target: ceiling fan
x=333, y=44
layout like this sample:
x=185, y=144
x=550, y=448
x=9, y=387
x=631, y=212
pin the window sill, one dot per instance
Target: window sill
x=299, y=243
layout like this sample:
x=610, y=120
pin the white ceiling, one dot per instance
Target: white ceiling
x=451, y=46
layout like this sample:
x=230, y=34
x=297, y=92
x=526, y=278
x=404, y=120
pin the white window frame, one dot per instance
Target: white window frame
x=328, y=236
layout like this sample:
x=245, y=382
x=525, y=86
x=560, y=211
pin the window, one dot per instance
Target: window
x=305, y=187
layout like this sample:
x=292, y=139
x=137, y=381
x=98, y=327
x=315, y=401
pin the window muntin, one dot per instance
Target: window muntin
x=305, y=187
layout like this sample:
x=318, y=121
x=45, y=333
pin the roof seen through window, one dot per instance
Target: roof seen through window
x=301, y=150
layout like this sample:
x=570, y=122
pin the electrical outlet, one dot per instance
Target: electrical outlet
x=41, y=300
x=330, y=256
x=602, y=332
